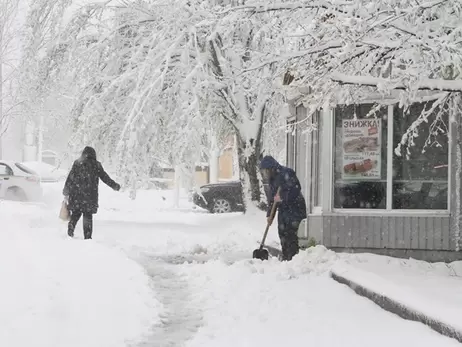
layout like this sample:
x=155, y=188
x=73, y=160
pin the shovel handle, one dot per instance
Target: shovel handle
x=272, y=214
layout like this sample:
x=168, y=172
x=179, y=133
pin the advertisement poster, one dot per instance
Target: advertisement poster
x=361, y=149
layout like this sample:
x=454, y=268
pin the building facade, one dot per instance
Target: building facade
x=380, y=178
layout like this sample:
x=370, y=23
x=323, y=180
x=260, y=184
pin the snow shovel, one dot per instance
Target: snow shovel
x=262, y=253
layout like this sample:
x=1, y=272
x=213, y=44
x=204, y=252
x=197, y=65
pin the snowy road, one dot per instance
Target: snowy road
x=215, y=295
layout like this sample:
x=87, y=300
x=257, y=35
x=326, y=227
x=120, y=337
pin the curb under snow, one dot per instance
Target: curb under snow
x=389, y=304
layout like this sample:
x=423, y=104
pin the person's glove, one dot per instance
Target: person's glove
x=277, y=199
x=117, y=187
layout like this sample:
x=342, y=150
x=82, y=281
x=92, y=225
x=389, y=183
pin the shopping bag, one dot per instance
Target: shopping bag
x=64, y=213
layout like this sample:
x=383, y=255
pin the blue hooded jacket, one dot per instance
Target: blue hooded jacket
x=293, y=206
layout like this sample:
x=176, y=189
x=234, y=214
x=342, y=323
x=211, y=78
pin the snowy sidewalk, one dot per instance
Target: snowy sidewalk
x=416, y=290
x=57, y=291
x=214, y=294
x=253, y=303
x=205, y=289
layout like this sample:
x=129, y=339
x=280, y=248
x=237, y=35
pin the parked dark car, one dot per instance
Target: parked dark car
x=220, y=197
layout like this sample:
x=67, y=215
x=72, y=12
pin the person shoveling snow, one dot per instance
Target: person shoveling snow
x=292, y=206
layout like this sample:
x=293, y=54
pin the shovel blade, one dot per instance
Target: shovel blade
x=261, y=254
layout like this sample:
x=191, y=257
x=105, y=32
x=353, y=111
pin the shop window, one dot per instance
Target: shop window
x=360, y=168
x=420, y=164
x=418, y=171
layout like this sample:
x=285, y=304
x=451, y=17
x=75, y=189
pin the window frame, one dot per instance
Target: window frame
x=291, y=140
x=316, y=167
x=389, y=192
x=301, y=154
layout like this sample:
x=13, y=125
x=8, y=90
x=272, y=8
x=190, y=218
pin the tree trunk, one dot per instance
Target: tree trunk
x=177, y=186
x=214, y=162
x=133, y=190
x=236, y=170
x=40, y=139
x=248, y=164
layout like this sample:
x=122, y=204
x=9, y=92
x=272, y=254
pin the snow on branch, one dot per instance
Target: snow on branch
x=263, y=8
x=423, y=84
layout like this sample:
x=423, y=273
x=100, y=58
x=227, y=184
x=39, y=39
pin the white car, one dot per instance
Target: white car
x=18, y=183
x=47, y=173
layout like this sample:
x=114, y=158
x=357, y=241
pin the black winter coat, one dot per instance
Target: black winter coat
x=82, y=184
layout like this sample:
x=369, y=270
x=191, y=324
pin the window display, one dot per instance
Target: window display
x=419, y=168
x=360, y=179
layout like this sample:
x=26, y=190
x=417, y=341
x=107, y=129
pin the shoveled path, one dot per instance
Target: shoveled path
x=180, y=318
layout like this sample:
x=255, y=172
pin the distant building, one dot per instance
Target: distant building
x=227, y=167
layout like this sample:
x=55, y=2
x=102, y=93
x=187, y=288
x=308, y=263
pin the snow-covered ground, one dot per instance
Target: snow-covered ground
x=410, y=282
x=60, y=292
x=158, y=276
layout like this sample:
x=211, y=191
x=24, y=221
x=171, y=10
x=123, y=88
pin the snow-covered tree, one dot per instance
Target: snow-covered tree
x=231, y=47
x=343, y=52
x=145, y=72
x=8, y=63
x=41, y=55
x=151, y=67
x=387, y=44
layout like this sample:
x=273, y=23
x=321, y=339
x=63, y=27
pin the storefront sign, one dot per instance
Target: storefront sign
x=361, y=149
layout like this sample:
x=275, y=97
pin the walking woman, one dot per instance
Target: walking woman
x=81, y=190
